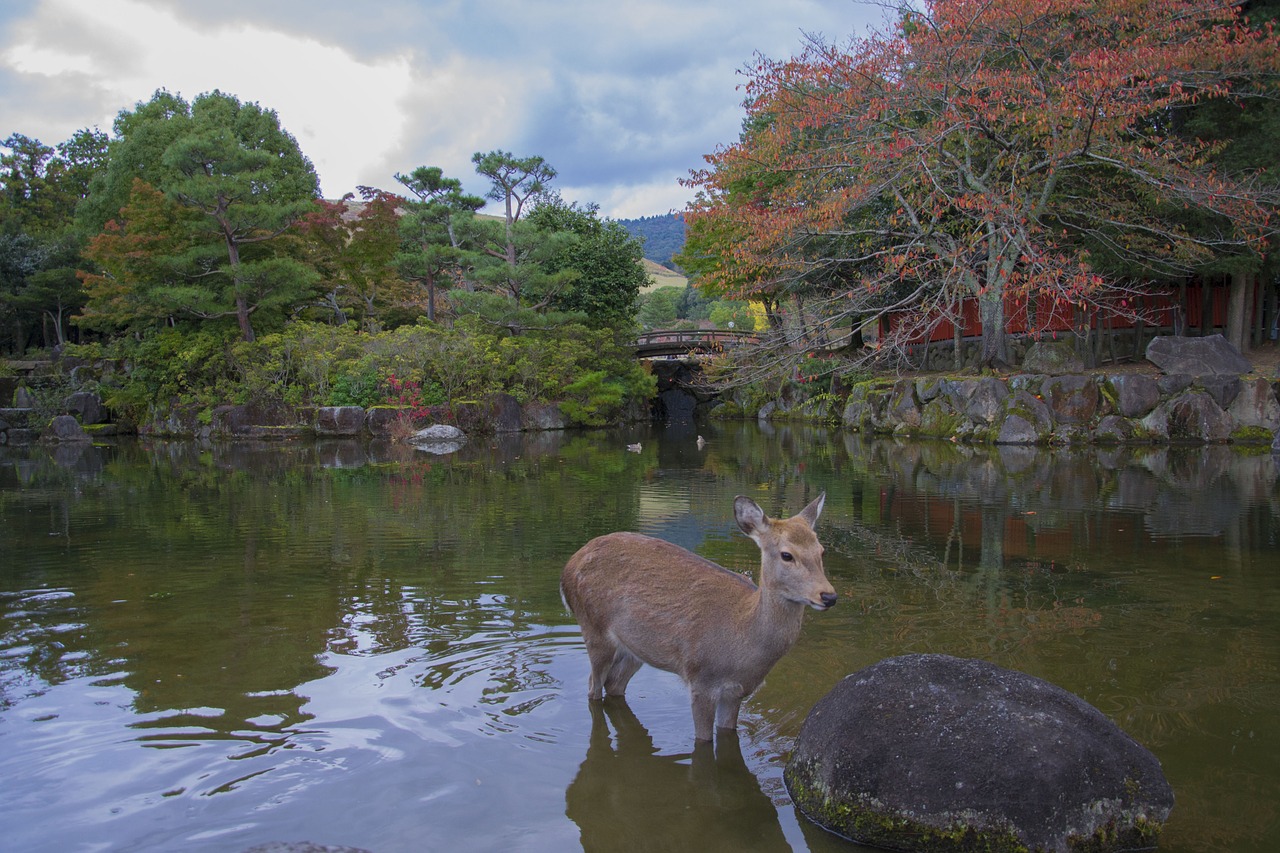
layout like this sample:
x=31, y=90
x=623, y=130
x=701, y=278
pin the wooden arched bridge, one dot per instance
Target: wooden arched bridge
x=689, y=342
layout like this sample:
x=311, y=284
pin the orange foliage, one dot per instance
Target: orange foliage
x=985, y=148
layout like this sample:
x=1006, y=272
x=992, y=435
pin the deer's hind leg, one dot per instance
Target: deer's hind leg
x=623, y=666
x=602, y=653
x=612, y=665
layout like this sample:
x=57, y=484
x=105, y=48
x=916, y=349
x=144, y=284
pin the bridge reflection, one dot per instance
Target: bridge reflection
x=660, y=344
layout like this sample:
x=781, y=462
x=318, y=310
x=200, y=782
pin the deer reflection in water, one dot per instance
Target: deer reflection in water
x=627, y=796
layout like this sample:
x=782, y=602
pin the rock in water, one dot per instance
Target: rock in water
x=439, y=439
x=935, y=753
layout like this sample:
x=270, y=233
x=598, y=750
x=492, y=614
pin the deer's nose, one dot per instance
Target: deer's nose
x=829, y=599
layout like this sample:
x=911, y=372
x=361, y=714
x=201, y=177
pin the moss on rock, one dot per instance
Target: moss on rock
x=1251, y=435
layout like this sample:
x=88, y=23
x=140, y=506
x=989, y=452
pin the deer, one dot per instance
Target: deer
x=641, y=600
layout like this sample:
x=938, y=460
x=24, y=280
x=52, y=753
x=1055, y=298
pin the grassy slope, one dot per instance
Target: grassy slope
x=660, y=276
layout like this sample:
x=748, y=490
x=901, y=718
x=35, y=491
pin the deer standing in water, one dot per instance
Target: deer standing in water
x=642, y=600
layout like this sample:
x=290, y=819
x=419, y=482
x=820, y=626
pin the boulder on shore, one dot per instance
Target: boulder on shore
x=439, y=439
x=66, y=428
x=87, y=407
x=1053, y=358
x=936, y=753
x=1210, y=355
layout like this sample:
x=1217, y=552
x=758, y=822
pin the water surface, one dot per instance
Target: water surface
x=212, y=647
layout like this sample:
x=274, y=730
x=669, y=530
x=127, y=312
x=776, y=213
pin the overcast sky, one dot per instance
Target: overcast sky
x=621, y=98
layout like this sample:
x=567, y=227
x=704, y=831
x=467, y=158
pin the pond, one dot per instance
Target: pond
x=215, y=647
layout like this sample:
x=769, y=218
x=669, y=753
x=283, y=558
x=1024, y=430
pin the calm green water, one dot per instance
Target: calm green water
x=208, y=648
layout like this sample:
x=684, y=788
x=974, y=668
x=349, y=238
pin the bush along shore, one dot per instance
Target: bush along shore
x=315, y=380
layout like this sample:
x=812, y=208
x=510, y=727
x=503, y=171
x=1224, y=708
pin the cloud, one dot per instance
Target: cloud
x=622, y=99
x=344, y=112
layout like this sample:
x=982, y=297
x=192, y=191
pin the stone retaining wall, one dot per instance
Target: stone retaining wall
x=501, y=414
x=1043, y=409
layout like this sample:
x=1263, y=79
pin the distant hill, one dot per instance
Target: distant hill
x=663, y=236
x=660, y=276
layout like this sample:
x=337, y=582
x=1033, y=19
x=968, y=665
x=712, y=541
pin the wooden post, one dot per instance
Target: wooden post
x=1259, y=336
x=1237, y=298
x=1206, y=308
x=1139, y=328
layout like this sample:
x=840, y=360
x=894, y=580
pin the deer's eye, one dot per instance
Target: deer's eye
x=786, y=556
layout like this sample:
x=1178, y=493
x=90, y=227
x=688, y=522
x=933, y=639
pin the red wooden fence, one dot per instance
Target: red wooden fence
x=1159, y=308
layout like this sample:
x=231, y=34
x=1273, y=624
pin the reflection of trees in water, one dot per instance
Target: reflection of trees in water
x=216, y=576
x=988, y=510
x=628, y=796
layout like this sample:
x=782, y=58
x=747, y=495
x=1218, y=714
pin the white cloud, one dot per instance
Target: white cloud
x=345, y=113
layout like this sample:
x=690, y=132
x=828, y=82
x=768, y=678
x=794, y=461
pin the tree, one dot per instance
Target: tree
x=431, y=248
x=514, y=181
x=250, y=181
x=730, y=314
x=245, y=181
x=40, y=189
x=606, y=262
x=353, y=246
x=1240, y=134
x=658, y=308
x=43, y=185
x=987, y=148
x=663, y=236
x=135, y=151
x=140, y=276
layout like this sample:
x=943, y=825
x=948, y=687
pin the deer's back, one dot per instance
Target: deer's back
x=643, y=565
x=656, y=597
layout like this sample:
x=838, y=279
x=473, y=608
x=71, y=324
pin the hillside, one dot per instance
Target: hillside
x=660, y=276
x=663, y=236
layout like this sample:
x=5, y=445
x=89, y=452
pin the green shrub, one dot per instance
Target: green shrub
x=591, y=399
x=173, y=367
x=316, y=364
x=357, y=389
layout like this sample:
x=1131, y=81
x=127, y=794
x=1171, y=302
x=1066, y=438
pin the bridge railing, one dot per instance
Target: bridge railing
x=690, y=340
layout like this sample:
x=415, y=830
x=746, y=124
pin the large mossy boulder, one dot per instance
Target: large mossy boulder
x=1029, y=420
x=88, y=408
x=257, y=421
x=65, y=428
x=935, y=753
x=1073, y=399
x=1192, y=416
x=981, y=400
x=1256, y=406
x=543, y=416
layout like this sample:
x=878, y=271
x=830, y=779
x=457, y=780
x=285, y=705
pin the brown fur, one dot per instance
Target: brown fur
x=642, y=600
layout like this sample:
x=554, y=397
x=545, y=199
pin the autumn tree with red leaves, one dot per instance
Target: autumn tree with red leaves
x=353, y=245
x=1020, y=152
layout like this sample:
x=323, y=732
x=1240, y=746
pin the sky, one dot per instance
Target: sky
x=621, y=98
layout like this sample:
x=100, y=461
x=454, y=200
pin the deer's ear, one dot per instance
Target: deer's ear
x=750, y=517
x=813, y=510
